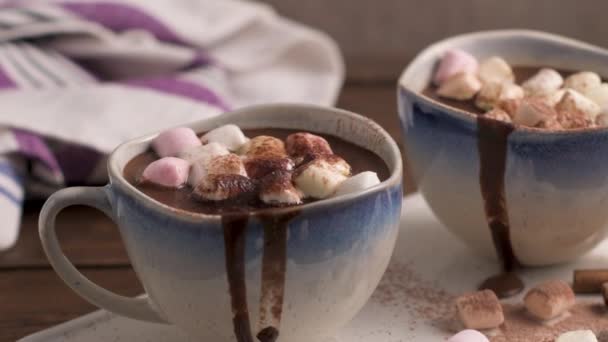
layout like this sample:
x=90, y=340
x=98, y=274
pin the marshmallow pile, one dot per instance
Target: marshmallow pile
x=226, y=165
x=546, y=100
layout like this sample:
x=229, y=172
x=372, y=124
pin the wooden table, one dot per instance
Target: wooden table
x=33, y=298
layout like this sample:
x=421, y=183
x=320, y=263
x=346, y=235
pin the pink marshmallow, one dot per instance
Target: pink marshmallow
x=169, y=172
x=468, y=335
x=454, y=62
x=171, y=142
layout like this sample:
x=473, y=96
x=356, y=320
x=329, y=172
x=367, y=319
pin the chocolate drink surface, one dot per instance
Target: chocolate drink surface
x=360, y=159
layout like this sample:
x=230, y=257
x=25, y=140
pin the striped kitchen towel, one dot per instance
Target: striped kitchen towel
x=79, y=77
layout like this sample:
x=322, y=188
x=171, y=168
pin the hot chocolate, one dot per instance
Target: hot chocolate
x=504, y=99
x=182, y=197
x=227, y=173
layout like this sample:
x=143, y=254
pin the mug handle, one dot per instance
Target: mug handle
x=97, y=197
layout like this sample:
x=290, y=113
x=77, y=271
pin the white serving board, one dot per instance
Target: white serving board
x=412, y=303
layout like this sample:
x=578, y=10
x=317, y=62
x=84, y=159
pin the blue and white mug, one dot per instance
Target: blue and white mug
x=555, y=183
x=335, y=251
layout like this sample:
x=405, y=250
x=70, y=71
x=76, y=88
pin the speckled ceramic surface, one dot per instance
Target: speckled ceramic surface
x=412, y=302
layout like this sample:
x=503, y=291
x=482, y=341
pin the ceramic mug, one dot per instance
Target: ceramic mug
x=555, y=183
x=204, y=273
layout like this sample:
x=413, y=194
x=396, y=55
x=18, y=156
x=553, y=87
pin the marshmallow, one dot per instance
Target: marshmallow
x=589, y=281
x=575, y=101
x=491, y=94
x=258, y=167
x=577, y=336
x=454, y=62
x=553, y=98
x=599, y=95
x=574, y=119
x=468, y=335
x=510, y=106
x=264, y=146
x=480, y=310
x=276, y=188
x=495, y=70
x=602, y=120
x=230, y=136
x=220, y=187
x=229, y=164
x=320, y=177
x=358, y=182
x=532, y=111
x=205, y=152
x=173, y=141
x=549, y=299
x=582, y=81
x=544, y=82
x=221, y=178
x=551, y=123
x=461, y=86
x=301, y=145
x=169, y=172
x=498, y=114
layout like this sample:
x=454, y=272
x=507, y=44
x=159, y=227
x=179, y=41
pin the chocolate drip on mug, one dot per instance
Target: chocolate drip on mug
x=274, y=266
x=492, y=146
x=235, y=229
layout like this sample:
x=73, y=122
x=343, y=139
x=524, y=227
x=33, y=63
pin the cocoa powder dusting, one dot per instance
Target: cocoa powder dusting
x=402, y=288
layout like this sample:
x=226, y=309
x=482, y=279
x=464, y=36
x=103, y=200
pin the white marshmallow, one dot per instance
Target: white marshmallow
x=602, y=120
x=599, y=95
x=553, y=98
x=575, y=101
x=498, y=114
x=169, y=172
x=173, y=141
x=230, y=136
x=358, y=182
x=229, y=164
x=544, y=82
x=495, y=70
x=290, y=196
x=264, y=146
x=206, y=152
x=531, y=112
x=577, y=336
x=222, y=177
x=468, y=335
x=461, y=86
x=454, y=62
x=277, y=188
x=491, y=94
x=219, y=187
x=321, y=177
x=582, y=81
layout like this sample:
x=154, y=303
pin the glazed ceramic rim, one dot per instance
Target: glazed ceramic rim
x=396, y=169
x=457, y=40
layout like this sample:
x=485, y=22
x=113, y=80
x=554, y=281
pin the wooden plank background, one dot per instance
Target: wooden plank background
x=378, y=38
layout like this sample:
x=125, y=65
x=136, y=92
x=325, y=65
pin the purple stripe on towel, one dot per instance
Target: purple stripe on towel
x=77, y=162
x=120, y=17
x=5, y=81
x=31, y=145
x=179, y=87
